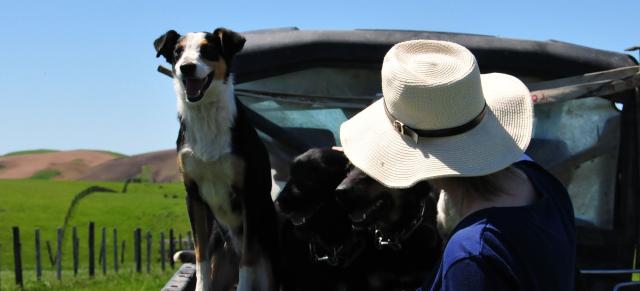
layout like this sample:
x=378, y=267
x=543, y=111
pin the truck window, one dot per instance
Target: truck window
x=578, y=141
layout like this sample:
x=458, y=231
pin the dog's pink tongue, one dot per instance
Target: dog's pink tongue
x=194, y=86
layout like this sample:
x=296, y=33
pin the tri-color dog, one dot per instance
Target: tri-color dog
x=224, y=165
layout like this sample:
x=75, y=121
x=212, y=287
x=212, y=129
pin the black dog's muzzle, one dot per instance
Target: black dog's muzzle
x=395, y=239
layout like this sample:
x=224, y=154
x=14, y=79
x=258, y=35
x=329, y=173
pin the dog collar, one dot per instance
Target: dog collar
x=338, y=256
x=414, y=133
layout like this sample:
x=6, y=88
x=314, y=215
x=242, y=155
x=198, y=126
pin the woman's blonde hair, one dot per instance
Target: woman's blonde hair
x=486, y=187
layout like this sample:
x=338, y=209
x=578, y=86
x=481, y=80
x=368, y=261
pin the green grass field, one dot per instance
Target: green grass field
x=123, y=280
x=42, y=204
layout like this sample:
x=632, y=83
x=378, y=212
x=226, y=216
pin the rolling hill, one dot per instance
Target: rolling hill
x=157, y=166
x=94, y=165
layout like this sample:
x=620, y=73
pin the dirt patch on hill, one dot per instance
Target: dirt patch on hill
x=70, y=164
x=159, y=166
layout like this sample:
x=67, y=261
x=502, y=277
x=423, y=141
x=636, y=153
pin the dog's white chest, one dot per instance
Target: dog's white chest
x=215, y=180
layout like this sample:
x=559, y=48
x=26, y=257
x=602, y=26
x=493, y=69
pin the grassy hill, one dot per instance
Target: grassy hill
x=90, y=165
x=42, y=204
x=58, y=165
x=29, y=152
x=44, y=151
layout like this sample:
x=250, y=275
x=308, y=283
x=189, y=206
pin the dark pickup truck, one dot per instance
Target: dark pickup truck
x=301, y=85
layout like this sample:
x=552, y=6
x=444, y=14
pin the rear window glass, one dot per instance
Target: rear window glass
x=576, y=140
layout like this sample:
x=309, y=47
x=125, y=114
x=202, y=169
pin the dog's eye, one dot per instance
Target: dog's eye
x=209, y=52
x=178, y=52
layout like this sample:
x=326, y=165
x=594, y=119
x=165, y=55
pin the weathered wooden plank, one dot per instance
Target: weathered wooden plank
x=592, y=84
x=609, y=75
x=163, y=70
x=597, y=88
x=183, y=279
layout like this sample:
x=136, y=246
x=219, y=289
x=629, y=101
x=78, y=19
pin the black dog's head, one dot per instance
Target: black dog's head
x=314, y=176
x=308, y=199
x=200, y=60
x=391, y=213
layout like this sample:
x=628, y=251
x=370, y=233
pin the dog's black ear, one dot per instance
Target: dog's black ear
x=165, y=44
x=229, y=42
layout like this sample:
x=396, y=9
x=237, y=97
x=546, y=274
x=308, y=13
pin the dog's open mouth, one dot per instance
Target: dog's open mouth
x=195, y=87
x=299, y=220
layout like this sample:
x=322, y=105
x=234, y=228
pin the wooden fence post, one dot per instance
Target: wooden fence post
x=38, y=256
x=92, y=270
x=137, y=250
x=17, y=256
x=59, y=254
x=103, y=250
x=76, y=252
x=148, y=252
x=122, y=251
x=163, y=255
x=115, y=250
x=172, y=249
x=0, y=266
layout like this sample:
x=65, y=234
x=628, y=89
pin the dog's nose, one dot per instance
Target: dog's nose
x=339, y=189
x=188, y=70
x=341, y=193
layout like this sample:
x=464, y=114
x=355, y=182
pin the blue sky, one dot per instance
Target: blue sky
x=81, y=74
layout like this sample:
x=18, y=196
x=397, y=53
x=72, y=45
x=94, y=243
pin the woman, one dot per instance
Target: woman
x=509, y=224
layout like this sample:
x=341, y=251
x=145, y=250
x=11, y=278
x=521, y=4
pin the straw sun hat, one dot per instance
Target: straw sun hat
x=439, y=117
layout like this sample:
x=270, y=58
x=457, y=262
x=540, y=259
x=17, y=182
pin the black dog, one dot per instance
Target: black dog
x=316, y=231
x=402, y=223
x=224, y=165
x=338, y=254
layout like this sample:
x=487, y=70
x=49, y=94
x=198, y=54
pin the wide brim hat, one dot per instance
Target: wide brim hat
x=439, y=117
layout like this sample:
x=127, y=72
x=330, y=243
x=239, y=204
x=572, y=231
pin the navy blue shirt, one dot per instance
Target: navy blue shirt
x=513, y=248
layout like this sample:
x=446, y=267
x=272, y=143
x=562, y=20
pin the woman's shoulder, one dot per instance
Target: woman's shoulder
x=482, y=236
x=466, y=242
x=547, y=186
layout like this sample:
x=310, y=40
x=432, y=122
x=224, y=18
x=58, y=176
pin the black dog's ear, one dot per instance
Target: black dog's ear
x=165, y=44
x=229, y=42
